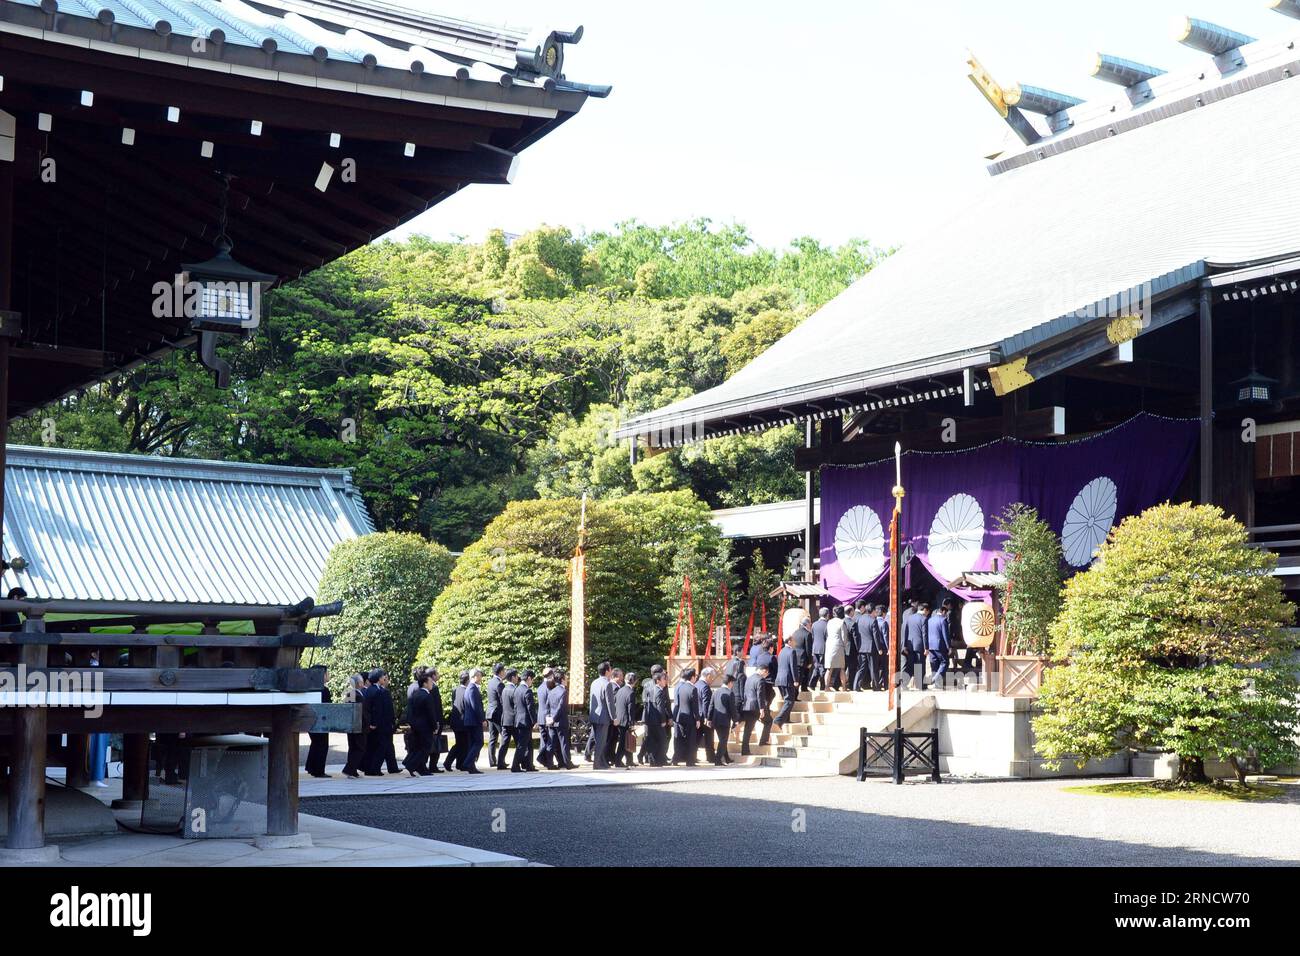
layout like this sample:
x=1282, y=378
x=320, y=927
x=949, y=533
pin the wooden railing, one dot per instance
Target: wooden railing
x=1284, y=541
x=139, y=683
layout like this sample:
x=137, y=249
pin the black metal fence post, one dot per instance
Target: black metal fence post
x=898, y=755
x=862, y=754
x=934, y=755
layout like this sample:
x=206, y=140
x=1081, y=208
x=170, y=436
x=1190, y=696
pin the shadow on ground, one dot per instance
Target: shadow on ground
x=639, y=826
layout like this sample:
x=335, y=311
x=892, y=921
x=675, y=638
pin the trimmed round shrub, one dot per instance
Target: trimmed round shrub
x=387, y=583
x=509, y=596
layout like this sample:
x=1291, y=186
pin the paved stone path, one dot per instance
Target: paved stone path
x=838, y=821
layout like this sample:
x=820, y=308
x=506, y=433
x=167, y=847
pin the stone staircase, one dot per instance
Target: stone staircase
x=823, y=735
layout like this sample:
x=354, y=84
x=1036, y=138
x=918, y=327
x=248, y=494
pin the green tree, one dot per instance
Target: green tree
x=1032, y=596
x=509, y=596
x=387, y=583
x=1174, y=640
x=453, y=377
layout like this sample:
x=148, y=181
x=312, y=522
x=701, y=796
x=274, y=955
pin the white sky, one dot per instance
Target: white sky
x=818, y=117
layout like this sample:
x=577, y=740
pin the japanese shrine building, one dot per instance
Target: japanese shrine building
x=1111, y=321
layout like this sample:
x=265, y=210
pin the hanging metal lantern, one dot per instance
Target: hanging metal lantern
x=221, y=295
x=1254, y=389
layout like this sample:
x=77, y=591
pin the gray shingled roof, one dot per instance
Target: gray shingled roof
x=369, y=42
x=106, y=527
x=1204, y=176
x=777, y=520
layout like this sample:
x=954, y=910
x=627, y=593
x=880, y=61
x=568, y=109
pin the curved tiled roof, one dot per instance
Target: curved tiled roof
x=382, y=41
x=107, y=527
x=1148, y=197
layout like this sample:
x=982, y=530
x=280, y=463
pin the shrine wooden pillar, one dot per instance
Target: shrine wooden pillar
x=811, y=546
x=1205, y=488
x=282, y=756
x=135, y=747
x=26, y=812
x=6, y=300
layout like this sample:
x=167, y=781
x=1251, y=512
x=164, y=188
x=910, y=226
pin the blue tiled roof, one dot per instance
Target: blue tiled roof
x=108, y=527
x=369, y=33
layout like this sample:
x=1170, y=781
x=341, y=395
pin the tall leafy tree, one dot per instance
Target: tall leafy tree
x=1174, y=640
x=455, y=377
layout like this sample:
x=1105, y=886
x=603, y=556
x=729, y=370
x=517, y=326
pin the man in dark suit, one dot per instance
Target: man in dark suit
x=818, y=678
x=497, y=732
x=853, y=645
x=543, y=754
x=383, y=723
x=417, y=683
x=686, y=718
x=725, y=713
x=625, y=717
x=319, y=749
x=880, y=676
x=419, y=715
x=475, y=721
x=510, y=681
x=600, y=711
x=615, y=728
x=658, y=717
x=802, y=651
x=647, y=690
x=564, y=741
x=751, y=707
x=787, y=681
x=439, y=721
x=938, y=645
x=457, y=723
x=735, y=666
x=525, y=718
x=552, y=716
x=914, y=641
x=704, y=691
x=868, y=635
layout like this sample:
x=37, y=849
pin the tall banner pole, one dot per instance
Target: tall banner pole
x=895, y=611
x=578, y=614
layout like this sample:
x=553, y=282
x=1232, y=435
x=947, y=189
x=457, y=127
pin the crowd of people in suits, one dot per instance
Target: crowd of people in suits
x=515, y=703
x=846, y=648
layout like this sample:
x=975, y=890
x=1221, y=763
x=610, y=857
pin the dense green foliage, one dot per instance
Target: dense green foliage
x=387, y=583
x=1033, y=593
x=1175, y=641
x=508, y=599
x=455, y=377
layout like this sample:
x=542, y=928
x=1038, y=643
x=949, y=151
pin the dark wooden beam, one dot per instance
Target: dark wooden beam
x=136, y=722
x=232, y=96
x=1036, y=423
x=1139, y=374
x=89, y=358
x=91, y=639
x=1084, y=344
x=171, y=676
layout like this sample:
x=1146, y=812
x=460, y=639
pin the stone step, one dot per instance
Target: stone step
x=803, y=766
x=791, y=751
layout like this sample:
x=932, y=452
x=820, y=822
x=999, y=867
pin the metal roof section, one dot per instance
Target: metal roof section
x=1150, y=95
x=370, y=44
x=783, y=519
x=94, y=526
x=1043, y=249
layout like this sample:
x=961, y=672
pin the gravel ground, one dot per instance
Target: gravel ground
x=874, y=823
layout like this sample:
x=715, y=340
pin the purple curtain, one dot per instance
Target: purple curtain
x=1081, y=488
